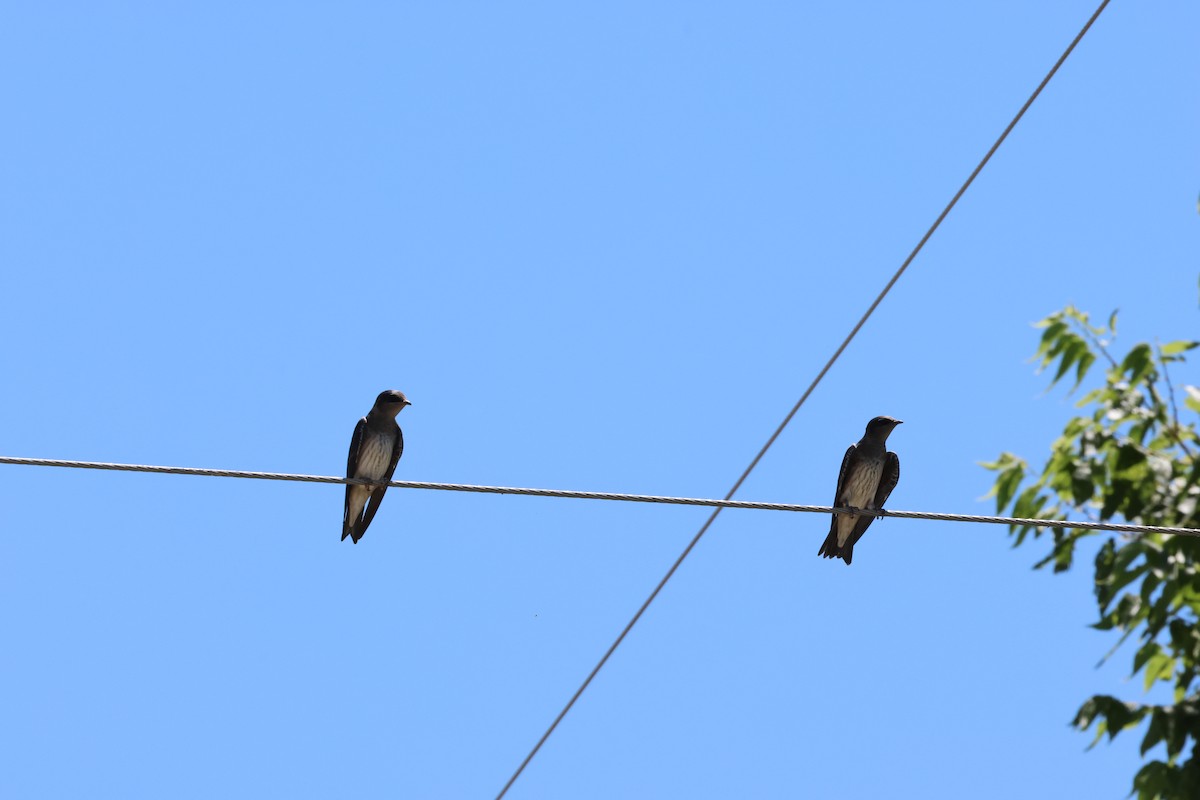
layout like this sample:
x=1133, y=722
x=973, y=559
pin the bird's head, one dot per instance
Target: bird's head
x=391, y=402
x=882, y=426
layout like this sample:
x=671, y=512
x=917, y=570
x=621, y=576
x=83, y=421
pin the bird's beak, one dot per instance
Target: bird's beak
x=897, y=422
x=407, y=403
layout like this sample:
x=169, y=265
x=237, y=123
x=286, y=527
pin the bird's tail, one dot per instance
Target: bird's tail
x=830, y=548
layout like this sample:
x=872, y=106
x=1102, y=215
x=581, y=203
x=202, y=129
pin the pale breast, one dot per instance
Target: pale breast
x=374, y=457
x=862, y=483
x=859, y=492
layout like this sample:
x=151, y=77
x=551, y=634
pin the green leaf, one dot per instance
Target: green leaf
x=1114, y=498
x=1074, y=348
x=1053, y=331
x=1146, y=652
x=1029, y=504
x=1178, y=728
x=1120, y=716
x=1153, y=781
x=1087, y=712
x=1130, y=610
x=1156, y=732
x=1081, y=369
x=1185, y=639
x=1138, y=363
x=1160, y=667
x=1130, y=463
x=1174, y=348
x=1006, y=487
x=1192, y=400
x=1113, y=573
x=1046, y=321
x=1064, y=548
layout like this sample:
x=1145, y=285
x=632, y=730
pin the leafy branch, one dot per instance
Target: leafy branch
x=1128, y=456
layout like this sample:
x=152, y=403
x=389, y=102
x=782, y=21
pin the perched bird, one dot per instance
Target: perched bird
x=374, y=452
x=869, y=473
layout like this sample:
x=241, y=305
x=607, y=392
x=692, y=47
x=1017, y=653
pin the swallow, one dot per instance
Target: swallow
x=374, y=452
x=869, y=473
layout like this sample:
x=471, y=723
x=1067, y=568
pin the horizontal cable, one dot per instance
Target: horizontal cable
x=627, y=498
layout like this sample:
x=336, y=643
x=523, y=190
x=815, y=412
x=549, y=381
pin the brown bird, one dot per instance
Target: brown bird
x=374, y=452
x=869, y=473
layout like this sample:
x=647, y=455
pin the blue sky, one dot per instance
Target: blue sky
x=600, y=246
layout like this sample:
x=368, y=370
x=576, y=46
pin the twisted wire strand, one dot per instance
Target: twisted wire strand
x=614, y=496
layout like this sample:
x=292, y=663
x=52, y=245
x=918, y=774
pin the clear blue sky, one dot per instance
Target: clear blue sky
x=600, y=246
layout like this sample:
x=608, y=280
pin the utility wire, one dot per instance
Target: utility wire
x=617, y=496
x=704, y=528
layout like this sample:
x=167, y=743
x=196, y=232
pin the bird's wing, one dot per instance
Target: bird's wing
x=830, y=548
x=398, y=450
x=378, y=492
x=351, y=468
x=837, y=496
x=888, y=480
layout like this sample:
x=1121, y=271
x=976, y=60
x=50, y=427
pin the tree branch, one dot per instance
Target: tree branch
x=1174, y=427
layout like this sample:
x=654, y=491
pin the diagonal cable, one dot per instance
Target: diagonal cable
x=837, y=354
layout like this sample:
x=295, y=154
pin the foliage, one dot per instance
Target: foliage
x=1127, y=457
